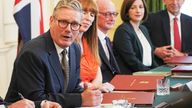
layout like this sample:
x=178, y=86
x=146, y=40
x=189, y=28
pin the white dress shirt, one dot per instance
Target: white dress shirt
x=171, y=18
x=147, y=57
x=59, y=51
x=102, y=36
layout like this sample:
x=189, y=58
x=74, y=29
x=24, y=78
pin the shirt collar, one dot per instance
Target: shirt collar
x=59, y=49
x=101, y=35
x=171, y=16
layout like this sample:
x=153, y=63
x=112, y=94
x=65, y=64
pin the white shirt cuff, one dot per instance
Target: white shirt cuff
x=2, y=106
x=42, y=103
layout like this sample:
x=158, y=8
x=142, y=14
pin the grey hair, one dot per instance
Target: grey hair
x=70, y=4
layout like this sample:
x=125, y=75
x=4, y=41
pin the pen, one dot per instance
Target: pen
x=132, y=82
x=21, y=96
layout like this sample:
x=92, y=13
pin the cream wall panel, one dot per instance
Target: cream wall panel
x=1, y=23
x=3, y=76
x=7, y=57
x=48, y=6
x=118, y=4
x=8, y=43
x=46, y=13
x=10, y=33
x=9, y=26
x=8, y=11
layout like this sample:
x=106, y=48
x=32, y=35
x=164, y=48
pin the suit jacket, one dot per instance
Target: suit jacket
x=158, y=25
x=128, y=49
x=108, y=68
x=38, y=74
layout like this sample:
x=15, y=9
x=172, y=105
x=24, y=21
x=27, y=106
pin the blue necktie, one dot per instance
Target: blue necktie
x=114, y=68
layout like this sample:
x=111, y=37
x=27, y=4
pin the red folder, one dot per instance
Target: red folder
x=182, y=71
x=182, y=68
x=135, y=83
x=138, y=98
x=180, y=60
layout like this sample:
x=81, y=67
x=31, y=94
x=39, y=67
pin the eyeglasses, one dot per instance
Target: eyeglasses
x=63, y=24
x=109, y=14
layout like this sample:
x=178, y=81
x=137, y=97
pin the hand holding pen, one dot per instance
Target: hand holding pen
x=23, y=103
x=30, y=104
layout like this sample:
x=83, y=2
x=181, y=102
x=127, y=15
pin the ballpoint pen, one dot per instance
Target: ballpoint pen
x=21, y=96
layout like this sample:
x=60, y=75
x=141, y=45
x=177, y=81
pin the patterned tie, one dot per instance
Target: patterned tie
x=65, y=67
x=177, y=40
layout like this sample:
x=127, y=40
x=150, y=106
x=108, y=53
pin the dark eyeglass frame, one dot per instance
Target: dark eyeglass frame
x=64, y=24
x=109, y=14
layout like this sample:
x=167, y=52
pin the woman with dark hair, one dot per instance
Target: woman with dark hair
x=132, y=46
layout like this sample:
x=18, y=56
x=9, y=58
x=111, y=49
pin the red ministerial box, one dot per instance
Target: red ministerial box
x=135, y=83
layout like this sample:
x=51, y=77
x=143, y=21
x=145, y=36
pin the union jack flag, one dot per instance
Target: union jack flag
x=29, y=18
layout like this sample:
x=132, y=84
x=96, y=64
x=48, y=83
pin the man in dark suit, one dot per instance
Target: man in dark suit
x=38, y=73
x=106, y=19
x=161, y=28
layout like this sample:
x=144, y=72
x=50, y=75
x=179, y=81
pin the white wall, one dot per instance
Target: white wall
x=186, y=8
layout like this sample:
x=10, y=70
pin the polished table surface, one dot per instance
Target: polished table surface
x=173, y=94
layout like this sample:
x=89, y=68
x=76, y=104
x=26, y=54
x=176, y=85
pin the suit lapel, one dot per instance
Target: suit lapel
x=114, y=66
x=54, y=60
x=72, y=59
x=138, y=41
x=103, y=55
x=184, y=29
x=166, y=27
